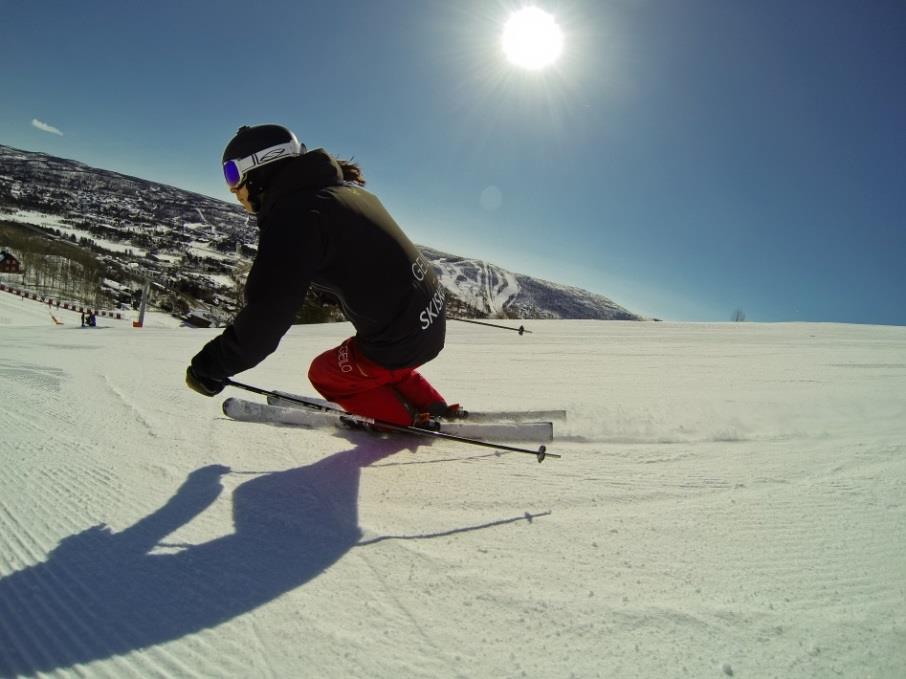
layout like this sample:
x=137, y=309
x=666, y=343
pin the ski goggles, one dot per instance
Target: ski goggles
x=235, y=171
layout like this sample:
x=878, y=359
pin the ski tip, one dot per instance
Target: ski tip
x=232, y=407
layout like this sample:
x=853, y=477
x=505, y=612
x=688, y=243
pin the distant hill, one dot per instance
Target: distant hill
x=494, y=291
x=194, y=247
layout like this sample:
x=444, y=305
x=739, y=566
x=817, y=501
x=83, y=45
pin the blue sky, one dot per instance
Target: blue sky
x=684, y=157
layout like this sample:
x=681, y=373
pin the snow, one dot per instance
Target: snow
x=478, y=284
x=49, y=221
x=202, y=249
x=37, y=218
x=731, y=502
x=221, y=280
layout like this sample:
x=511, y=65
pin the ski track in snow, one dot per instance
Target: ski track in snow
x=479, y=284
x=499, y=287
x=129, y=405
x=731, y=500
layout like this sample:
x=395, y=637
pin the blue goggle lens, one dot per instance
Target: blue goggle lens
x=232, y=174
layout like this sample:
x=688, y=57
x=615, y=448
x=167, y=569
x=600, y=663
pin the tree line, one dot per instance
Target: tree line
x=54, y=268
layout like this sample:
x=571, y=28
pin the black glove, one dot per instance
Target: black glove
x=206, y=386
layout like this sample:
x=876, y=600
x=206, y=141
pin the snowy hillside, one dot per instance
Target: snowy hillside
x=497, y=292
x=185, y=240
x=731, y=501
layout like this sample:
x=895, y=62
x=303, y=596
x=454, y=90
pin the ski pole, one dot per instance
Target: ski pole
x=521, y=329
x=265, y=392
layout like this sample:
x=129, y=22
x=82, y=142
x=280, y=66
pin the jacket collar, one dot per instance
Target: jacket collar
x=312, y=171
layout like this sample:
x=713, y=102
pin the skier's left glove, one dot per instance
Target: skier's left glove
x=206, y=386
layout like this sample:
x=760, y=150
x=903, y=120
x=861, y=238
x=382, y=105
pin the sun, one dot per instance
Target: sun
x=532, y=39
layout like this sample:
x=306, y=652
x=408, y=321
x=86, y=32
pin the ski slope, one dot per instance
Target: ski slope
x=731, y=502
x=481, y=285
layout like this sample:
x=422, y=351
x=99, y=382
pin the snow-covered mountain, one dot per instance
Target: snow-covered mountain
x=494, y=291
x=168, y=233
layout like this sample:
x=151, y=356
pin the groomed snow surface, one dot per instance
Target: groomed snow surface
x=731, y=502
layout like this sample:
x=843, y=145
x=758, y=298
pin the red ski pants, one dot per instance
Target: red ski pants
x=343, y=375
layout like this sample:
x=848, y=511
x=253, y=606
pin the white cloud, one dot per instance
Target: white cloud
x=44, y=127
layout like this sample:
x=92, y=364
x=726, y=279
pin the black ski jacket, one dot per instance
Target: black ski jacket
x=317, y=231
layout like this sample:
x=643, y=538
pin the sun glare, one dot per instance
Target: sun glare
x=532, y=39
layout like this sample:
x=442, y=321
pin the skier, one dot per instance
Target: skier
x=320, y=230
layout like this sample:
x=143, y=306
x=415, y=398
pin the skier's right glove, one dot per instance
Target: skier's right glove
x=206, y=386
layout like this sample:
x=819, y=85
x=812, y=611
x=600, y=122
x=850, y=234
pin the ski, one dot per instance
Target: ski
x=249, y=411
x=287, y=399
x=299, y=416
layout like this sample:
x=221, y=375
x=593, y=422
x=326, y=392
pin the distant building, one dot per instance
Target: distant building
x=8, y=263
x=198, y=319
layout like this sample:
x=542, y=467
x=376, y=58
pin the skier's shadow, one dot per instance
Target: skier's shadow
x=101, y=594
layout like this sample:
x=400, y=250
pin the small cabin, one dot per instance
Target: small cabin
x=198, y=319
x=8, y=263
